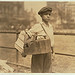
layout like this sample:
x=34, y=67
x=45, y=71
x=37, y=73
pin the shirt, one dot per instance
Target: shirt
x=37, y=28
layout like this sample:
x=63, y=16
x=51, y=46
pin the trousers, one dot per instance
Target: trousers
x=41, y=63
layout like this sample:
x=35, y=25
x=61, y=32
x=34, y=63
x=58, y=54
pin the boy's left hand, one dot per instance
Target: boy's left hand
x=53, y=53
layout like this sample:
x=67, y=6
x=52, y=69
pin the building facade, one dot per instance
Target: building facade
x=9, y=13
x=11, y=8
x=64, y=13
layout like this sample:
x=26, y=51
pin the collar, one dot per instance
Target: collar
x=45, y=24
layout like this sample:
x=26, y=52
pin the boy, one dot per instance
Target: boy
x=41, y=63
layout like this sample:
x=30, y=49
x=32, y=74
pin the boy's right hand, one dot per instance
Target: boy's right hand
x=23, y=54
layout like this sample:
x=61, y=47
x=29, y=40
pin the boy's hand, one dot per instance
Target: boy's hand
x=23, y=55
x=52, y=50
x=53, y=56
x=53, y=53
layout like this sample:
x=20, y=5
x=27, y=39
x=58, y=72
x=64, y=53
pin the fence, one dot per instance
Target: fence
x=17, y=32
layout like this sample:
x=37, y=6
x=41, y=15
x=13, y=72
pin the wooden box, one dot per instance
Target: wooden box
x=36, y=47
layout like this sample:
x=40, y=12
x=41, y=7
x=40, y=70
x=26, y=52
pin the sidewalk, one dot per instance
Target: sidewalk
x=61, y=64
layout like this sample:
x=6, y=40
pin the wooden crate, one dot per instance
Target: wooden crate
x=38, y=47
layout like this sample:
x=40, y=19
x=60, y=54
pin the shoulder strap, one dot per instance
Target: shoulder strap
x=44, y=29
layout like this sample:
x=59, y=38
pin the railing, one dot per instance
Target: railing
x=11, y=32
x=17, y=32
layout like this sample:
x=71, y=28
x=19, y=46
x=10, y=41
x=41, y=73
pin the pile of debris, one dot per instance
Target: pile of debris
x=4, y=68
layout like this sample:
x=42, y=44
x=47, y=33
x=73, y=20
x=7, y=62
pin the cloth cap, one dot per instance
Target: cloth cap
x=44, y=9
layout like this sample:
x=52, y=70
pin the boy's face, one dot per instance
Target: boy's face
x=46, y=16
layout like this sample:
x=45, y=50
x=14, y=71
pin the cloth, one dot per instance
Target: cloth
x=37, y=28
x=49, y=30
x=41, y=63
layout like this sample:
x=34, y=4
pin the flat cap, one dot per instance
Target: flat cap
x=44, y=9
